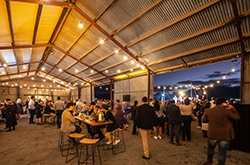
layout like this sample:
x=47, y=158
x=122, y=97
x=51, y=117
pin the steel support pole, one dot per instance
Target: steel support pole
x=148, y=84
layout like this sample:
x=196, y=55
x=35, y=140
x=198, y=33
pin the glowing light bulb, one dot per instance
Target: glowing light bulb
x=132, y=62
x=211, y=85
x=176, y=87
x=106, y=71
x=101, y=41
x=118, y=71
x=60, y=70
x=91, y=71
x=233, y=70
x=32, y=78
x=5, y=65
x=131, y=70
x=3, y=72
x=224, y=77
x=218, y=82
x=80, y=25
x=116, y=51
x=170, y=88
x=24, y=67
x=44, y=80
x=76, y=70
x=125, y=57
x=43, y=68
x=137, y=65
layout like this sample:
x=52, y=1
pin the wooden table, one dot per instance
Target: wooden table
x=93, y=123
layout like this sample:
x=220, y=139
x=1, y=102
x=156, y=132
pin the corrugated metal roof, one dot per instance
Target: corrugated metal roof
x=195, y=30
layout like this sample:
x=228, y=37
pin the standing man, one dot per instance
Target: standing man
x=220, y=129
x=79, y=106
x=133, y=111
x=32, y=109
x=174, y=120
x=59, y=107
x=145, y=117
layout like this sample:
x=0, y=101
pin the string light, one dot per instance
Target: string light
x=137, y=65
x=76, y=70
x=60, y=70
x=218, y=81
x=101, y=41
x=16, y=84
x=175, y=87
x=205, y=86
x=28, y=87
x=131, y=70
x=32, y=78
x=34, y=85
x=132, y=62
x=7, y=83
x=224, y=77
x=211, y=85
x=5, y=65
x=180, y=86
x=91, y=71
x=125, y=57
x=43, y=69
x=44, y=80
x=116, y=51
x=118, y=71
x=21, y=87
x=41, y=85
x=80, y=25
x=158, y=87
x=233, y=70
x=24, y=67
x=24, y=85
x=12, y=85
x=3, y=72
x=106, y=71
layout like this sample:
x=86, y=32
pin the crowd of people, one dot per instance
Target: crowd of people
x=152, y=116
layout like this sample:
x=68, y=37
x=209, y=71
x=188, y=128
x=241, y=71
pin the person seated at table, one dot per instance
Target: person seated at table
x=48, y=111
x=110, y=127
x=91, y=108
x=68, y=121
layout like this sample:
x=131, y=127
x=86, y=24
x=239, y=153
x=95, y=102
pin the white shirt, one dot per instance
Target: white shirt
x=68, y=122
x=79, y=105
x=31, y=104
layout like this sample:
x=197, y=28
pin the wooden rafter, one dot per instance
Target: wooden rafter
x=81, y=58
x=198, y=50
x=52, y=3
x=64, y=15
x=175, y=21
x=38, y=16
x=23, y=46
x=22, y=64
x=61, y=50
x=194, y=34
x=108, y=35
x=137, y=17
x=17, y=73
x=67, y=72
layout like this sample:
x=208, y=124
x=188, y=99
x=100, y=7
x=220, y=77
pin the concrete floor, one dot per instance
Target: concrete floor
x=35, y=144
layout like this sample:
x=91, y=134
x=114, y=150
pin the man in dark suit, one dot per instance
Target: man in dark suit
x=174, y=120
x=133, y=111
x=145, y=117
x=220, y=129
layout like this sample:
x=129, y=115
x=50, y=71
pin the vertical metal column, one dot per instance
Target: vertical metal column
x=112, y=92
x=91, y=93
x=79, y=91
x=148, y=84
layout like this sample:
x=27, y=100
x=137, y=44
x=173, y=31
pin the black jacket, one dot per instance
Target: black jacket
x=133, y=111
x=173, y=115
x=109, y=116
x=145, y=116
x=11, y=111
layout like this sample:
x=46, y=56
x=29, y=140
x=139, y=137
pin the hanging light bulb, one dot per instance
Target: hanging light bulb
x=132, y=62
x=101, y=41
x=3, y=72
x=224, y=77
x=106, y=71
x=80, y=25
x=43, y=69
x=76, y=70
x=118, y=71
x=137, y=65
x=233, y=70
x=24, y=85
x=44, y=80
x=142, y=67
x=125, y=57
x=131, y=70
x=170, y=88
x=116, y=51
x=32, y=78
x=91, y=71
x=211, y=85
x=60, y=70
x=176, y=87
x=5, y=65
x=218, y=81
x=24, y=67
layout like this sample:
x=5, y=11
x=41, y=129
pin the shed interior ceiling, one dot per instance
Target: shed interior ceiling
x=44, y=38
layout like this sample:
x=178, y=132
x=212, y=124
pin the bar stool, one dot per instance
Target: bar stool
x=62, y=142
x=94, y=144
x=116, y=135
x=45, y=117
x=78, y=137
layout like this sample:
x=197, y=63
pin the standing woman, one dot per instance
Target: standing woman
x=186, y=112
x=19, y=108
x=119, y=114
x=159, y=120
x=39, y=108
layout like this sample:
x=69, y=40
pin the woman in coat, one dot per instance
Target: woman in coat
x=10, y=112
x=19, y=108
x=119, y=114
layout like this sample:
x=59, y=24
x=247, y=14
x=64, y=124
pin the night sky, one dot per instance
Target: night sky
x=203, y=75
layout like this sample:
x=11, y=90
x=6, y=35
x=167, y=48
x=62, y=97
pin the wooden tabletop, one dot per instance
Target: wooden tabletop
x=93, y=123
